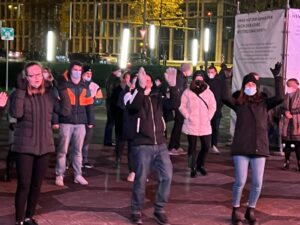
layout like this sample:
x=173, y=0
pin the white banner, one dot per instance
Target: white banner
x=258, y=44
x=293, y=45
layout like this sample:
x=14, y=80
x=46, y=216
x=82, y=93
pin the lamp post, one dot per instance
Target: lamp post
x=50, y=46
x=125, y=48
x=151, y=41
x=195, y=46
x=206, y=46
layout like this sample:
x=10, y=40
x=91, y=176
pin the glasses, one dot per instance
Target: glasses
x=31, y=76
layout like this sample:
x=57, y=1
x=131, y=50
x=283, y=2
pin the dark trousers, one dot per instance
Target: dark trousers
x=110, y=122
x=176, y=131
x=31, y=171
x=288, y=150
x=215, y=124
x=192, y=150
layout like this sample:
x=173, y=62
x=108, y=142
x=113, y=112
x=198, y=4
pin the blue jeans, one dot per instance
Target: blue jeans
x=86, y=144
x=241, y=164
x=75, y=134
x=148, y=157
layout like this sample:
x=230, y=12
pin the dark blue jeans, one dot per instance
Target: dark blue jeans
x=110, y=122
x=148, y=157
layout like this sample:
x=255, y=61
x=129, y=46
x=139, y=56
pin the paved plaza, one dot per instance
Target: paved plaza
x=204, y=200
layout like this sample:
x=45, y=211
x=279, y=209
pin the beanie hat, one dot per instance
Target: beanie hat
x=249, y=78
x=86, y=68
x=198, y=73
x=115, y=68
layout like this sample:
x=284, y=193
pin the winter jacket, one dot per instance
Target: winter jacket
x=111, y=83
x=82, y=104
x=216, y=85
x=33, y=130
x=251, y=129
x=181, y=82
x=150, y=124
x=196, y=113
x=290, y=128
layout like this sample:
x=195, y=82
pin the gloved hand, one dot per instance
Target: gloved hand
x=21, y=82
x=276, y=70
x=60, y=83
x=170, y=76
x=142, y=77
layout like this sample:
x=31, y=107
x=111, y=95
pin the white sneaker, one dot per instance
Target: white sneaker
x=80, y=180
x=214, y=150
x=174, y=151
x=59, y=181
x=131, y=177
x=181, y=151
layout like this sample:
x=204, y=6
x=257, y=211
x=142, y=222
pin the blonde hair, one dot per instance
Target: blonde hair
x=31, y=90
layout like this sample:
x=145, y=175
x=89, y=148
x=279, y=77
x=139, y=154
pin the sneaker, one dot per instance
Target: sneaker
x=80, y=180
x=87, y=165
x=161, y=218
x=214, y=150
x=131, y=177
x=30, y=221
x=181, y=151
x=173, y=151
x=136, y=218
x=59, y=181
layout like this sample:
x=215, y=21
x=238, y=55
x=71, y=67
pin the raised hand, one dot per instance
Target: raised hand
x=142, y=77
x=3, y=99
x=276, y=70
x=170, y=76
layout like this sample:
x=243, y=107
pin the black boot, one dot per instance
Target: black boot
x=286, y=165
x=236, y=218
x=193, y=172
x=249, y=215
x=202, y=170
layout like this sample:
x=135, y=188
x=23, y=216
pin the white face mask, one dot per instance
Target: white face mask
x=211, y=75
x=118, y=73
x=76, y=74
x=88, y=79
x=290, y=90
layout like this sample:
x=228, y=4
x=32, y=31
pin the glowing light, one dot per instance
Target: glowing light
x=50, y=46
x=206, y=39
x=124, y=48
x=195, y=52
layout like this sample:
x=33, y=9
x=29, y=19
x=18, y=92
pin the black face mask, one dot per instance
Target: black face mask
x=199, y=82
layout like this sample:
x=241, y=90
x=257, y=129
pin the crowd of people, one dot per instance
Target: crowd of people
x=138, y=105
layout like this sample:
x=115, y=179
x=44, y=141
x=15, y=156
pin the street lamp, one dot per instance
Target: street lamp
x=151, y=40
x=50, y=46
x=195, y=52
x=124, y=48
x=206, y=46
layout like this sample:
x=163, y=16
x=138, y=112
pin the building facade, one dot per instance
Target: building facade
x=95, y=26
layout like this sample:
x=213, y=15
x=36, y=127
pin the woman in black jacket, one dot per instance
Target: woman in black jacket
x=250, y=145
x=32, y=104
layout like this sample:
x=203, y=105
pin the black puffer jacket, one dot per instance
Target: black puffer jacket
x=33, y=132
x=149, y=111
x=251, y=129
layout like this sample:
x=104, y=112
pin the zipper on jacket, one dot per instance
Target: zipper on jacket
x=154, y=128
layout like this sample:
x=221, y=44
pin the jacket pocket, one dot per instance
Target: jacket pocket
x=164, y=123
x=138, y=125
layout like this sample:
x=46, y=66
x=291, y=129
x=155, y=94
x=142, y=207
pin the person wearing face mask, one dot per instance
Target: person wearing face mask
x=182, y=83
x=198, y=105
x=149, y=148
x=33, y=103
x=97, y=96
x=290, y=122
x=215, y=82
x=72, y=128
x=250, y=146
x=111, y=83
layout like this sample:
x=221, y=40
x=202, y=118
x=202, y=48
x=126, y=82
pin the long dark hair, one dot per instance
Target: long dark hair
x=244, y=99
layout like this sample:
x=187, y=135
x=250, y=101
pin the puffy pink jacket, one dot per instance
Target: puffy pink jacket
x=196, y=114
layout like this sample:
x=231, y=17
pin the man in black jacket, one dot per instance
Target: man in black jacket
x=216, y=85
x=182, y=83
x=149, y=144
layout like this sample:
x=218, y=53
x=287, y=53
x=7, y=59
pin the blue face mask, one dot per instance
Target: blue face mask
x=250, y=91
x=88, y=79
x=76, y=74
